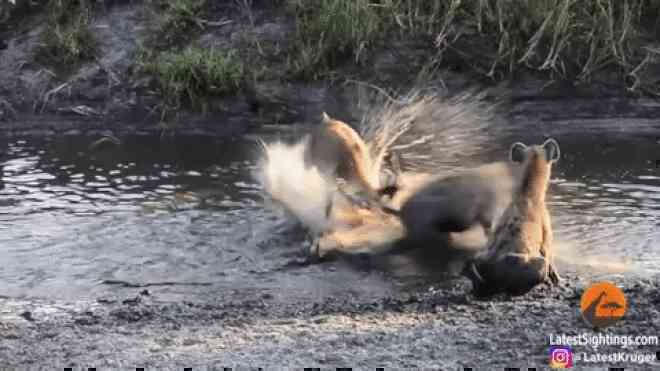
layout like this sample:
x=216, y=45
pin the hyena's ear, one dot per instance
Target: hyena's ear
x=551, y=148
x=325, y=118
x=517, y=152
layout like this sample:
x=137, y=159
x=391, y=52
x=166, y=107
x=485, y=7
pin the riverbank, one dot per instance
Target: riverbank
x=434, y=328
x=196, y=66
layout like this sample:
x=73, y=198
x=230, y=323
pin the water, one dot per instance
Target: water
x=606, y=198
x=184, y=216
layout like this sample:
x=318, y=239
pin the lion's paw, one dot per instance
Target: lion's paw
x=323, y=246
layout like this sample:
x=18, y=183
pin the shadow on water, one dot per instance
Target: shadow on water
x=183, y=217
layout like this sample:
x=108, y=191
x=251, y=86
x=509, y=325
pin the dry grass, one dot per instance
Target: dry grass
x=332, y=31
x=563, y=39
x=572, y=39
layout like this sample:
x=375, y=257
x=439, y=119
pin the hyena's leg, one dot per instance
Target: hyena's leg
x=515, y=274
x=547, y=249
x=365, y=239
x=553, y=275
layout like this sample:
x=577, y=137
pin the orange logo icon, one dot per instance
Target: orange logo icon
x=602, y=304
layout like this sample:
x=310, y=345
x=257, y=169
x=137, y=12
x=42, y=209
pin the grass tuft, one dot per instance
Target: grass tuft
x=67, y=39
x=177, y=21
x=570, y=39
x=188, y=77
x=331, y=31
x=563, y=39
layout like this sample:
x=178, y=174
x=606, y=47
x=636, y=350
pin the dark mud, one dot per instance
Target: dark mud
x=432, y=328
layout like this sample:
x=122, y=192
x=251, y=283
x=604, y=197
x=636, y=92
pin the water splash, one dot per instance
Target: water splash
x=302, y=191
x=429, y=131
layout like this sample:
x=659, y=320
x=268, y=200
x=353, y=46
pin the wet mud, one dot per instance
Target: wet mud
x=442, y=328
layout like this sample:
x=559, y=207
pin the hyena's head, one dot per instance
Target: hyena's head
x=537, y=160
x=548, y=152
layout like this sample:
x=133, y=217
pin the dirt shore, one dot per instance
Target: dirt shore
x=444, y=328
x=108, y=94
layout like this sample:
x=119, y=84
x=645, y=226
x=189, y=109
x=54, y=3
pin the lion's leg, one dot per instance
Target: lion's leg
x=365, y=239
x=390, y=176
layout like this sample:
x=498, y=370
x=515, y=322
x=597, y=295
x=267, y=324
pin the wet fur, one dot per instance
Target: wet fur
x=338, y=151
x=519, y=252
x=449, y=215
x=310, y=187
x=450, y=205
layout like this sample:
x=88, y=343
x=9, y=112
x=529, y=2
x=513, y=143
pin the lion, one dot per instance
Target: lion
x=339, y=152
x=312, y=190
x=328, y=180
x=450, y=214
x=519, y=252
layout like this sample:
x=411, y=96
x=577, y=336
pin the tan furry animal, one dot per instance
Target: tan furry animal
x=447, y=214
x=357, y=229
x=428, y=133
x=519, y=254
x=307, y=178
x=338, y=151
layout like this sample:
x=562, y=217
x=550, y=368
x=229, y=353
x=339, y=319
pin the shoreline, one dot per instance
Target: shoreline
x=109, y=93
x=433, y=328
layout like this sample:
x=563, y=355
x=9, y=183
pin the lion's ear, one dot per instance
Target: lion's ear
x=325, y=118
x=517, y=152
x=551, y=148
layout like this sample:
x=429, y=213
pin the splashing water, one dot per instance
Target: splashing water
x=301, y=190
x=428, y=132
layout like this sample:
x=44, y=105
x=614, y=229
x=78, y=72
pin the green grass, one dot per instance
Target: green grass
x=190, y=76
x=329, y=32
x=563, y=39
x=67, y=40
x=176, y=21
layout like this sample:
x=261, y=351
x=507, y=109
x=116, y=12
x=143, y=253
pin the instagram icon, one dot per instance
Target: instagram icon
x=561, y=357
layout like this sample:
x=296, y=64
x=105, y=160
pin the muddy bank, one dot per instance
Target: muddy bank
x=431, y=328
x=110, y=93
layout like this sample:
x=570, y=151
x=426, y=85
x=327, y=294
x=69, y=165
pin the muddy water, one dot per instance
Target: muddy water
x=182, y=217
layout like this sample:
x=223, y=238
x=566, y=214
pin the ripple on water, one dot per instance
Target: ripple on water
x=616, y=221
